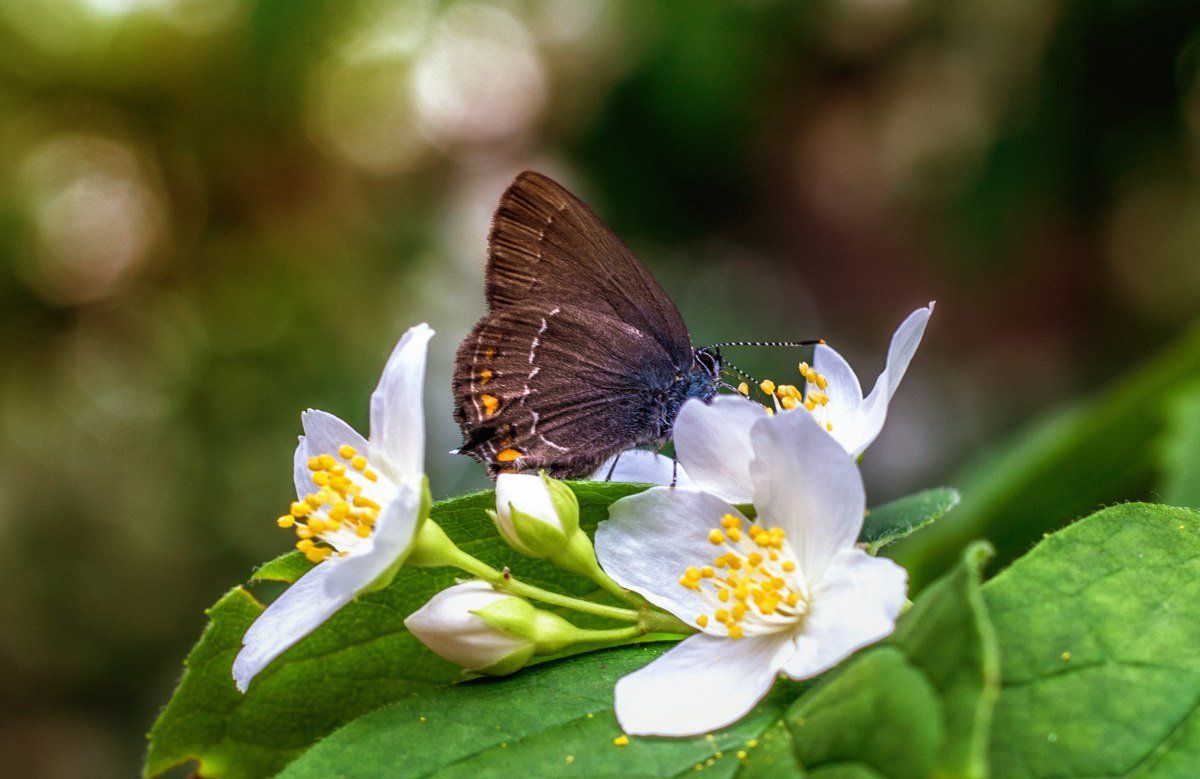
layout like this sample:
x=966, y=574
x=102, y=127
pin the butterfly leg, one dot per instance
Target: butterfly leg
x=612, y=468
x=674, y=469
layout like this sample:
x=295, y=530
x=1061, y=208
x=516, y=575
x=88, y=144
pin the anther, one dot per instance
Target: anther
x=768, y=387
x=346, y=451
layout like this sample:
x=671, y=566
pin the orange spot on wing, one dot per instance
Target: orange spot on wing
x=485, y=376
x=489, y=353
x=508, y=455
x=491, y=404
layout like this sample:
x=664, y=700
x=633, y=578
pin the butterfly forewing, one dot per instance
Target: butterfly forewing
x=546, y=243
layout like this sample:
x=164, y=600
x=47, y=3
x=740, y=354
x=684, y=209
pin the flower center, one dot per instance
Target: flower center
x=789, y=397
x=337, y=515
x=754, y=585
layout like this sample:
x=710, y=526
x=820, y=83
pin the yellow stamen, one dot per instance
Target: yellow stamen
x=768, y=387
x=702, y=620
x=716, y=537
x=346, y=451
x=744, y=388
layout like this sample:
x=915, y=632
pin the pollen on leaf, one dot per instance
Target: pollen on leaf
x=621, y=740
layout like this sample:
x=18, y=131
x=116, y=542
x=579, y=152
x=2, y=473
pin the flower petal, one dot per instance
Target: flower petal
x=386, y=547
x=300, y=610
x=845, y=393
x=397, y=410
x=904, y=345
x=701, y=685
x=324, y=433
x=642, y=466
x=651, y=538
x=712, y=442
x=807, y=484
x=855, y=604
x=301, y=473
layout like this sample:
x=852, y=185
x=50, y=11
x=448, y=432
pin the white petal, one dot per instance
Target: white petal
x=324, y=433
x=859, y=432
x=855, y=604
x=449, y=626
x=300, y=610
x=642, y=466
x=386, y=547
x=397, y=410
x=301, y=474
x=805, y=483
x=845, y=393
x=651, y=538
x=900, y=352
x=712, y=443
x=701, y=685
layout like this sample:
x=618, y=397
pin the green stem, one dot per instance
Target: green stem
x=517, y=587
x=450, y=554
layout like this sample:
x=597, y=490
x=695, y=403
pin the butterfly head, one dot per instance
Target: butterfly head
x=702, y=380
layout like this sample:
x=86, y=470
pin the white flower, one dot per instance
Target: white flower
x=831, y=394
x=537, y=515
x=791, y=594
x=455, y=625
x=359, y=506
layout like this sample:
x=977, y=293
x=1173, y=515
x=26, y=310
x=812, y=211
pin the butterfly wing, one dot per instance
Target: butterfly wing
x=545, y=244
x=558, y=387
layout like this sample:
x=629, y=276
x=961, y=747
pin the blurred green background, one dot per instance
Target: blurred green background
x=217, y=213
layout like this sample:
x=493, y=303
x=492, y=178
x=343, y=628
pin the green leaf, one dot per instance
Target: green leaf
x=537, y=723
x=918, y=705
x=1180, y=481
x=1098, y=628
x=1061, y=468
x=359, y=660
x=890, y=522
x=937, y=675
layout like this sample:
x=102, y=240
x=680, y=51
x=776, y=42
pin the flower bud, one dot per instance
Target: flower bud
x=455, y=625
x=536, y=515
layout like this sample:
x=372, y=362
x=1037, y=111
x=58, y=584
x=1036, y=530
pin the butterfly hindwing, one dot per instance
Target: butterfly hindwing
x=559, y=387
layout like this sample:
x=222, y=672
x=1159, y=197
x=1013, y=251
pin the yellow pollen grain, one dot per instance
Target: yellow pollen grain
x=822, y=382
x=358, y=462
x=810, y=405
x=731, y=520
x=770, y=412
x=744, y=388
x=371, y=475
x=303, y=531
x=742, y=754
x=346, y=451
x=1066, y=656
x=735, y=631
x=829, y=426
x=702, y=620
x=304, y=544
x=286, y=521
x=321, y=479
x=722, y=615
x=363, y=531
x=716, y=537
x=570, y=759
x=752, y=743
x=707, y=572
x=299, y=509
x=768, y=387
x=735, y=535
x=788, y=403
x=621, y=741
x=327, y=461
x=314, y=463
x=788, y=566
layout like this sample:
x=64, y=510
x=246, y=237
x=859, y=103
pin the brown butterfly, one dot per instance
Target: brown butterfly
x=581, y=355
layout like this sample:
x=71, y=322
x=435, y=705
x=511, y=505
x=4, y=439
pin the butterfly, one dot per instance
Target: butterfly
x=581, y=354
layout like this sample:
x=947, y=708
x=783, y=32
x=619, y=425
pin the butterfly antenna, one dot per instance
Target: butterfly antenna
x=813, y=342
x=731, y=368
